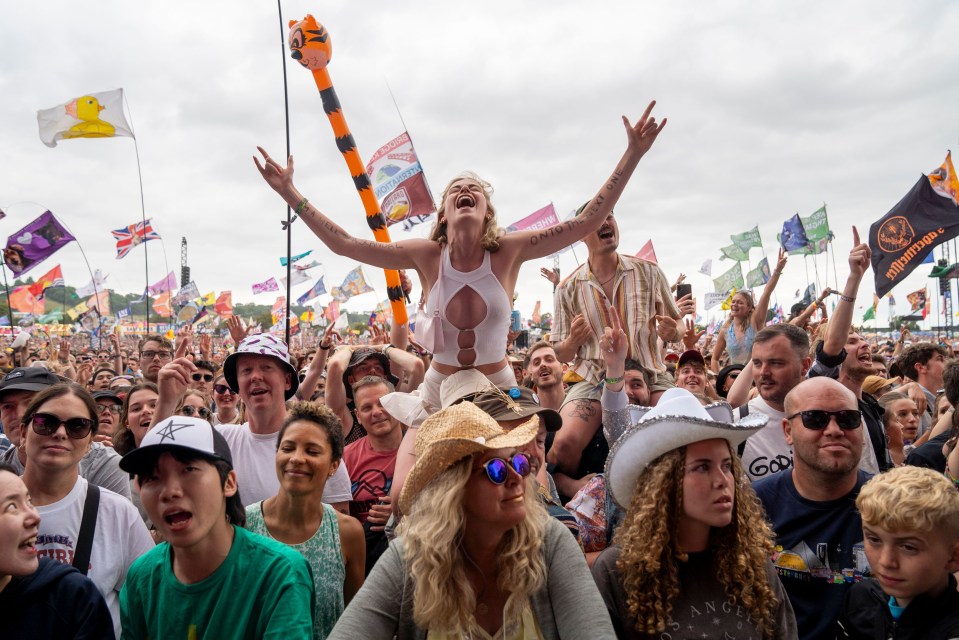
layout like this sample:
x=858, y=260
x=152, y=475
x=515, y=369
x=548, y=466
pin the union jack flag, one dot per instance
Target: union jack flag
x=129, y=237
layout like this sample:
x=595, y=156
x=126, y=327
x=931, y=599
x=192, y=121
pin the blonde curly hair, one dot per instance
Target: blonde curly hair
x=491, y=231
x=649, y=562
x=443, y=598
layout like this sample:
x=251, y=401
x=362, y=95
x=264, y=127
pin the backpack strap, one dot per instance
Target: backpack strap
x=88, y=524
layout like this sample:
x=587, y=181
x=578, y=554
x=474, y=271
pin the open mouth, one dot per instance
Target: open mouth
x=465, y=200
x=259, y=392
x=724, y=501
x=178, y=520
x=30, y=544
x=606, y=233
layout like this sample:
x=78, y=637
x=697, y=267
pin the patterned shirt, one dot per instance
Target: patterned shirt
x=640, y=292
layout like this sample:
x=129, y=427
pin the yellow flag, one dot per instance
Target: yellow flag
x=727, y=303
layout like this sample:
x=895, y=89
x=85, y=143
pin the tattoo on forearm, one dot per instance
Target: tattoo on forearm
x=583, y=409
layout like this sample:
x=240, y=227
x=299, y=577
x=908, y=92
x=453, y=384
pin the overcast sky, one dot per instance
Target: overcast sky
x=773, y=109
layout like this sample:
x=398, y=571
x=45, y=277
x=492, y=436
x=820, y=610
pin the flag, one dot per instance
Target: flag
x=332, y=312
x=647, y=253
x=224, y=304
x=279, y=308
x=733, y=252
x=536, y=318
x=94, y=115
x=53, y=317
x=132, y=235
x=34, y=243
x=342, y=322
x=296, y=277
x=100, y=301
x=870, y=314
x=944, y=181
x=187, y=312
x=124, y=313
x=732, y=279
x=161, y=304
x=307, y=316
x=747, y=239
x=901, y=239
x=372, y=319
x=809, y=294
x=707, y=268
x=384, y=311
x=96, y=283
x=202, y=316
x=295, y=258
x=23, y=300
x=52, y=278
x=317, y=289
x=793, y=236
x=186, y=293
x=712, y=299
x=727, y=304
x=760, y=275
x=304, y=267
x=539, y=219
x=207, y=300
x=917, y=300
x=818, y=235
x=266, y=286
x=166, y=284
x=353, y=285
x=89, y=320
x=74, y=312
x=399, y=183
x=930, y=259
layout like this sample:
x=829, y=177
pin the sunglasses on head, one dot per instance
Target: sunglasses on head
x=190, y=410
x=223, y=389
x=205, y=377
x=818, y=419
x=47, y=424
x=497, y=469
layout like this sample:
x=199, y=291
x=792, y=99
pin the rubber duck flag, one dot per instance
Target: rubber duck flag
x=727, y=304
x=34, y=243
x=52, y=278
x=902, y=238
x=166, y=284
x=93, y=115
x=133, y=235
x=399, y=183
x=317, y=289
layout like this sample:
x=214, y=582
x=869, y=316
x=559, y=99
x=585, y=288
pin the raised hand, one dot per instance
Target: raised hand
x=237, y=330
x=550, y=274
x=691, y=337
x=643, y=134
x=278, y=177
x=860, y=256
x=614, y=345
x=781, y=260
x=686, y=304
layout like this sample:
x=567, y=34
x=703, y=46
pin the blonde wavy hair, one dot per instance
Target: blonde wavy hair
x=443, y=598
x=747, y=296
x=491, y=231
x=649, y=562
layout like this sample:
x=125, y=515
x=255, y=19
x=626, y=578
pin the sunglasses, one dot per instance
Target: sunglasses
x=205, y=377
x=223, y=389
x=818, y=419
x=189, y=410
x=109, y=408
x=47, y=424
x=497, y=469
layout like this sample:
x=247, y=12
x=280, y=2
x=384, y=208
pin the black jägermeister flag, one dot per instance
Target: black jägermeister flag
x=907, y=234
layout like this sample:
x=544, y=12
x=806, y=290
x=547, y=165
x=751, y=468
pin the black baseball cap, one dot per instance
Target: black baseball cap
x=28, y=379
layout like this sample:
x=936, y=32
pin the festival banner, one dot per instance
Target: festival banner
x=732, y=279
x=647, y=253
x=747, y=239
x=317, y=289
x=295, y=258
x=52, y=278
x=133, y=235
x=166, y=284
x=266, y=286
x=760, y=275
x=944, y=181
x=539, y=219
x=94, y=115
x=224, y=304
x=34, y=243
x=186, y=293
x=902, y=238
x=793, y=236
x=399, y=183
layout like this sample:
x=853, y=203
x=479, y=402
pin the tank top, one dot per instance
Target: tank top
x=739, y=351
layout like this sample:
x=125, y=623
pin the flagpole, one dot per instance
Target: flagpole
x=289, y=221
x=143, y=211
x=96, y=289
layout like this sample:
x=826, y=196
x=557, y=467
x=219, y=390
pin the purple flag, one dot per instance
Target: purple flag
x=34, y=243
x=167, y=284
x=263, y=287
x=317, y=289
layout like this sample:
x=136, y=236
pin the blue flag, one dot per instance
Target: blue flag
x=317, y=289
x=295, y=258
x=793, y=236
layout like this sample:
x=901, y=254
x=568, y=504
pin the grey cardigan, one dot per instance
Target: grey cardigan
x=569, y=605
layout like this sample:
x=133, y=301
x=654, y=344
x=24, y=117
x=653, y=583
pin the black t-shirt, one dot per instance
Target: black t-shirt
x=929, y=453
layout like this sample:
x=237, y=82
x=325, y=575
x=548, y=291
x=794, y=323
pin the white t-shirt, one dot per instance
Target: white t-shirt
x=766, y=450
x=254, y=458
x=119, y=539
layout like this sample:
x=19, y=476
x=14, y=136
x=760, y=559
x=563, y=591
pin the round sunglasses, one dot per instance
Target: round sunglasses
x=818, y=419
x=497, y=469
x=190, y=410
x=205, y=377
x=47, y=424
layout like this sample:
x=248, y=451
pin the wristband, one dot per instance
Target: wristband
x=386, y=350
x=326, y=348
x=846, y=298
x=614, y=380
x=300, y=207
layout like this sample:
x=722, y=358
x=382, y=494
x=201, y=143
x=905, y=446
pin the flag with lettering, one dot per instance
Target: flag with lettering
x=92, y=115
x=34, y=243
x=399, y=183
x=539, y=219
x=732, y=279
x=747, y=239
x=187, y=292
x=734, y=252
x=760, y=275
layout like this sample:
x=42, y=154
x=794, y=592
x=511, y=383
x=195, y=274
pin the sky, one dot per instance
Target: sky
x=772, y=109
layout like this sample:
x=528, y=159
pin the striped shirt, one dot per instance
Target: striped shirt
x=640, y=292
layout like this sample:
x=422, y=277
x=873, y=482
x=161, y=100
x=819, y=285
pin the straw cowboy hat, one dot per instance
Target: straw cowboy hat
x=450, y=435
x=678, y=419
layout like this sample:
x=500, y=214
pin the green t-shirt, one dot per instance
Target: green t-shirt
x=264, y=589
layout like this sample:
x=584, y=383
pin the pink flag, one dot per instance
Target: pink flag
x=540, y=219
x=166, y=284
x=647, y=253
x=264, y=287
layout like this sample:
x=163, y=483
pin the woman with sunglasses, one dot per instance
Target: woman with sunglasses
x=226, y=402
x=194, y=403
x=57, y=430
x=476, y=553
x=309, y=450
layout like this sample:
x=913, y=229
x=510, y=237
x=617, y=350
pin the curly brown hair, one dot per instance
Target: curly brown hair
x=649, y=562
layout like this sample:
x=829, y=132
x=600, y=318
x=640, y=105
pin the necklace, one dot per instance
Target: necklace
x=606, y=281
x=481, y=607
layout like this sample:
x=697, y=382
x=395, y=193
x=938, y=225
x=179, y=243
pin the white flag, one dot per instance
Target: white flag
x=707, y=268
x=98, y=280
x=92, y=115
x=712, y=299
x=343, y=322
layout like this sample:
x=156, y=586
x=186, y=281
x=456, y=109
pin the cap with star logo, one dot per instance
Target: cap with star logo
x=181, y=434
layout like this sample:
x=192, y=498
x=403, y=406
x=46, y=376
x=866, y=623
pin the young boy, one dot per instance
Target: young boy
x=211, y=578
x=910, y=522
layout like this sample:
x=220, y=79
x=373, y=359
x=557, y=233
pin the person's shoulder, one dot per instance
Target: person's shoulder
x=113, y=501
x=263, y=551
x=579, y=273
x=353, y=447
x=772, y=485
x=347, y=524
x=156, y=559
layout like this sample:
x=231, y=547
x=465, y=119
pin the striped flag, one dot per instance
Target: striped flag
x=52, y=278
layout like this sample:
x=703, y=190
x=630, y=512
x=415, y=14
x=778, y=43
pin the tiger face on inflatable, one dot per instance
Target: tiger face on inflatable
x=310, y=43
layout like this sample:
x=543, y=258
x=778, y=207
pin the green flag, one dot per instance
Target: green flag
x=734, y=252
x=758, y=276
x=870, y=314
x=747, y=239
x=818, y=235
x=729, y=280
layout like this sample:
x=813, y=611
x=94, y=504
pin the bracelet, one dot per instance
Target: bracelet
x=326, y=348
x=846, y=298
x=386, y=350
x=299, y=208
x=614, y=380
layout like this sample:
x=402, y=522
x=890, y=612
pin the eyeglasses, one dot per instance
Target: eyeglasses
x=205, y=377
x=190, y=410
x=47, y=424
x=84, y=358
x=223, y=389
x=150, y=355
x=497, y=469
x=104, y=357
x=818, y=419
x=109, y=408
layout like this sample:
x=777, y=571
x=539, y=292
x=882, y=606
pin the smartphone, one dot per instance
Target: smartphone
x=683, y=289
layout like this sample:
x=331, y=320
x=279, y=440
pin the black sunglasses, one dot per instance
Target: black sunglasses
x=205, y=377
x=223, y=389
x=190, y=410
x=47, y=424
x=818, y=419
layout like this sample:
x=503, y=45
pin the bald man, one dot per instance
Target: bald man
x=812, y=506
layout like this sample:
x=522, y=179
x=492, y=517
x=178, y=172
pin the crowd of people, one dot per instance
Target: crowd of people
x=625, y=477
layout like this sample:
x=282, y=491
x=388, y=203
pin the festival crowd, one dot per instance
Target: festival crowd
x=627, y=476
